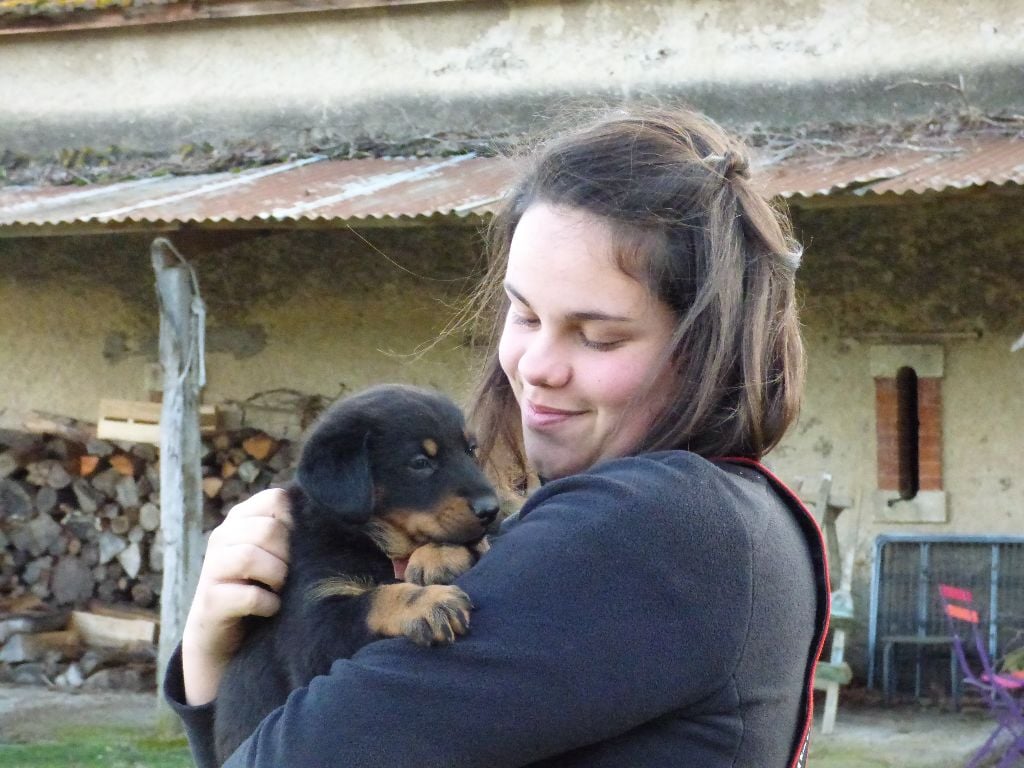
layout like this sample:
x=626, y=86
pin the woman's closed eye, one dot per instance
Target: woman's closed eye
x=519, y=318
x=600, y=345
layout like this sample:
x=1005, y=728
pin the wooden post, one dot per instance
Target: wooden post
x=182, y=320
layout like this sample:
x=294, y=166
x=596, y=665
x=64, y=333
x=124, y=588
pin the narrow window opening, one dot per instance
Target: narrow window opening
x=907, y=431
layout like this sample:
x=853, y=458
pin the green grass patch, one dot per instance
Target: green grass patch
x=99, y=747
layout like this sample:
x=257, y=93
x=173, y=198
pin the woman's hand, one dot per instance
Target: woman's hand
x=244, y=569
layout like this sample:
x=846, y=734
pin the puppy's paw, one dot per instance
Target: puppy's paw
x=432, y=615
x=439, y=563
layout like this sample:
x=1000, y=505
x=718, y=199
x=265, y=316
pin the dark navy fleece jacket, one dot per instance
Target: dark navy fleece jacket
x=660, y=610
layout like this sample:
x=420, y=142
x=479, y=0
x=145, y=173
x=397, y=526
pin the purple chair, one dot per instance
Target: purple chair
x=1001, y=692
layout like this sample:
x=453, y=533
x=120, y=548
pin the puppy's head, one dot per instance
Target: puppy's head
x=398, y=458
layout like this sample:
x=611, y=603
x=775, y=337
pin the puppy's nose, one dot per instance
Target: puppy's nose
x=485, y=508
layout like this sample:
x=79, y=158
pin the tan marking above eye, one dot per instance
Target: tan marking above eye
x=430, y=446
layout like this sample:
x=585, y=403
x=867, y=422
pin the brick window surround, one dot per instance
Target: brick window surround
x=928, y=433
x=908, y=432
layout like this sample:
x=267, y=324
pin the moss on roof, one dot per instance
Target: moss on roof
x=61, y=7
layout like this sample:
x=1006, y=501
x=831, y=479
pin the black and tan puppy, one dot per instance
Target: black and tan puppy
x=386, y=486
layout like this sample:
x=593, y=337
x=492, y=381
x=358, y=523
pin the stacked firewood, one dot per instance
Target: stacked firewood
x=80, y=517
x=101, y=648
x=80, y=520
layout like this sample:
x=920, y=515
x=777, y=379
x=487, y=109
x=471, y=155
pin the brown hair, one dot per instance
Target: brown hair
x=675, y=190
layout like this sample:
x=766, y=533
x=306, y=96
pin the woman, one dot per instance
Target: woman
x=660, y=599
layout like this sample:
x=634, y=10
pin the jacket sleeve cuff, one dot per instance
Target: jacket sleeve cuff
x=198, y=721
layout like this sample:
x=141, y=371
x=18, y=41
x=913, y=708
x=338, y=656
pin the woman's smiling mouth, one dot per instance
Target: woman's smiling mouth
x=539, y=416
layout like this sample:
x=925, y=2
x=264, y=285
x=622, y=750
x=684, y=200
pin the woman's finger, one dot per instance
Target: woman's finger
x=272, y=503
x=267, y=533
x=239, y=599
x=245, y=562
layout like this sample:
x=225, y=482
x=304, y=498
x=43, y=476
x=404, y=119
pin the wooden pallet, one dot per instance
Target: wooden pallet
x=139, y=421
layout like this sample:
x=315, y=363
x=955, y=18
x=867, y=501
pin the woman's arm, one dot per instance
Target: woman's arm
x=590, y=621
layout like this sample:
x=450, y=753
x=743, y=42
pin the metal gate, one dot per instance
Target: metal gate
x=904, y=594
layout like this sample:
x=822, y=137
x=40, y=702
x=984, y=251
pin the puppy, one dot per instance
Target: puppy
x=386, y=486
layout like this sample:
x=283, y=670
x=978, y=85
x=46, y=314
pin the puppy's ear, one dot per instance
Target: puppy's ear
x=334, y=468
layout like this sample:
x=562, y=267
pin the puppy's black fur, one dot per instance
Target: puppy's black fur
x=384, y=476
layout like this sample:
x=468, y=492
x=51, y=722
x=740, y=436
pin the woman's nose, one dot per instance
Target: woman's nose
x=543, y=364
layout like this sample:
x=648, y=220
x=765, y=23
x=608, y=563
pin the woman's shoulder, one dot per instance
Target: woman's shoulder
x=666, y=489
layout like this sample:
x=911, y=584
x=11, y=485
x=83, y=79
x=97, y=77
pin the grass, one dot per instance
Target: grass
x=99, y=747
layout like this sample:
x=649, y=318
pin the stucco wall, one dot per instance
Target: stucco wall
x=487, y=67
x=320, y=313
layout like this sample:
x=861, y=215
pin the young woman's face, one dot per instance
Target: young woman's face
x=581, y=343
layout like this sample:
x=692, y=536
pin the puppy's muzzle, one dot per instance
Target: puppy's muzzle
x=485, y=508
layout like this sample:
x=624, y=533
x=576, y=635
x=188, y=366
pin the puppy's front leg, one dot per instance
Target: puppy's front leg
x=441, y=563
x=432, y=615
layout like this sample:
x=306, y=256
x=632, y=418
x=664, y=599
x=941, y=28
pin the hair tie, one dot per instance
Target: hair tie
x=729, y=165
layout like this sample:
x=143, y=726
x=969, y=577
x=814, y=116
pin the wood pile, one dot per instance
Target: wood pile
x=100, y=648
x=80, y=531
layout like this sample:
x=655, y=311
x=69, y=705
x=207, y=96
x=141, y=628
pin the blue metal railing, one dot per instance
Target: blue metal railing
x=904, y=586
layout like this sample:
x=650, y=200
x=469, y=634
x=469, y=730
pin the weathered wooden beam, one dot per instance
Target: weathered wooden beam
x=182, y=320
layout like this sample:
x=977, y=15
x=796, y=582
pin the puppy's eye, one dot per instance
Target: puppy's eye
x=421, y=463
x=471, y=448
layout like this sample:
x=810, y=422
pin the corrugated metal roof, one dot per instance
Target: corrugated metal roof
x=316, y=191
x=901, y=168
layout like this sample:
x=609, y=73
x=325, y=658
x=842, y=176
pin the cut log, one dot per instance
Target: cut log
x=21, y=648
x=232, y=489
x=120, y=525
x=145, y=452
x=124, y=463
x=143, y=594
x=259, y=446
x=212, y=486
x=122, y=612
x=111, y=545
x=88, y=464
x=99, y=447
x=49, y=472
x=72, y=581
x=15, y=500
x=106, y=481
x=43, y=531
x=149, y=516
x=248, y=471
x=63, y=426
x=132, y=678
x=31, y=622
x=81, y=525
x=89, y=499
x=9, y=463
x=131, y=560
x=38, y=572
x=127, y=493
x=46, y=500
x=101, y=631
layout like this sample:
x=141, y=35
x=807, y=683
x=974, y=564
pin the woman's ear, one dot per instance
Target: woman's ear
x=334, y=467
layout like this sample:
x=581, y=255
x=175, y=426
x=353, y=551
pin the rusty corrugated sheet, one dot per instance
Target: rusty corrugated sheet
x=901, y=168
x=311, y=190
x=316, y=191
